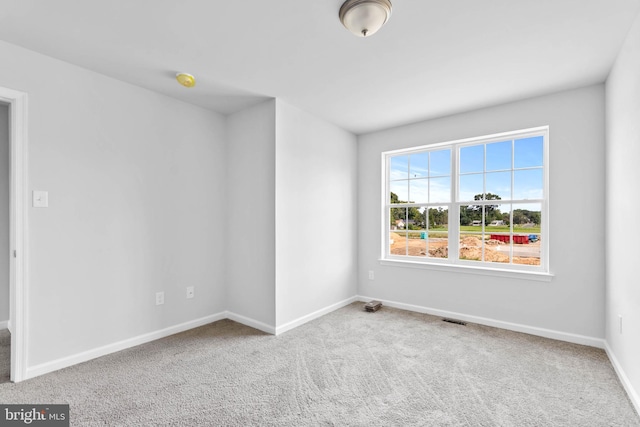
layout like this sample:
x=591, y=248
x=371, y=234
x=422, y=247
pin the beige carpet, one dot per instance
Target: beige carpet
x=348, y=368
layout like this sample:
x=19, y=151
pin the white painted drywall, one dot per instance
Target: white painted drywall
x=249, y=213
x=316, y=204
x=573, y=302
x=5, y=165
x=136, y=184
x=622, y=203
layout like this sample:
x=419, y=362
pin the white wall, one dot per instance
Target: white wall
x=291, y=249
x=249, y=214
x=136, y=196
x=316, y=201
x=5, y=166
x=622, y=203
x=573, y=302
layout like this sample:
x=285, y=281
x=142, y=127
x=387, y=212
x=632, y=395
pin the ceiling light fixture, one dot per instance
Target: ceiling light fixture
x=186, y=80
x=364, y=17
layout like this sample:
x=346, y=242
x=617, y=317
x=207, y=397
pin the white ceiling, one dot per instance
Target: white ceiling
x=433, y=58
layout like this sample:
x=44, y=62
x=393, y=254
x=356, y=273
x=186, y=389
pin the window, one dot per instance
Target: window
x=479, y=202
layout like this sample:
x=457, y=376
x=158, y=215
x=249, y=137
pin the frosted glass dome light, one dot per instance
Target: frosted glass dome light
x=365, y=17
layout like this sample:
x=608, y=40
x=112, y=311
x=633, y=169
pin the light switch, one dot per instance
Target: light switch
x=40, y=199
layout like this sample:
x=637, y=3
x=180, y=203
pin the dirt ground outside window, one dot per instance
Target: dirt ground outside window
x=470, y=249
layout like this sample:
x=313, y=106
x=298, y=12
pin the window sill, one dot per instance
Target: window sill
x=525, y=275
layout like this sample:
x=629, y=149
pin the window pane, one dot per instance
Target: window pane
x=399, y=167
x=528, y=152
x=497, y=233
x=499, y=156
x=471, y=215
x=440, y=189
x=397, y=218
x=499, y=184
x=526, y=217
x=526, y=225
x=440, y=164
x=470, y=186
x=418, y=190
x=472, y=159
x=498, y=189
x=398, y=243
x=399, y=191
x=438, y=234
x=470, y=233
x=416, y=219
x=527, y=184
x=417, y=243
x=407, y=234
x=419, y=165
x=497, y=217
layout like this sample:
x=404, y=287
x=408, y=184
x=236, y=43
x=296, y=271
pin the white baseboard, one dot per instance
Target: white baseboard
x=532, y=330
x=631, y=392
x=256, y=324
x=65, y=362
x=4, y=324
x=316, y=314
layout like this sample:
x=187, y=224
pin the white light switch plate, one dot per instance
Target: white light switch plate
x=40, y=199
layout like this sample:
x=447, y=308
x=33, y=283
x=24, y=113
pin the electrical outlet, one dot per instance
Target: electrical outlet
x=159, y=298
x=190, y=292
x=620, y=321
x=372, y=275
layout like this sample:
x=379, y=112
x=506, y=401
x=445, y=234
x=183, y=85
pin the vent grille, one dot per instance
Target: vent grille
x=456, y=321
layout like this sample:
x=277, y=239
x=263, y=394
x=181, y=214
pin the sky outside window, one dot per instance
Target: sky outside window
x=399, y=167
x=499, y=156
x=440, y=163
x=510, y=169
x=528, y=152
x=503, y=159
x=472, y=159
x=419, y=165
x=421, y=177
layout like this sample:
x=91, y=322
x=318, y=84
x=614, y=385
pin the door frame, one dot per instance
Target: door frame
x=18, y=203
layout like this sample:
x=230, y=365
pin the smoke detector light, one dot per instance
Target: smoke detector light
x=186, y=80
x=364, y=17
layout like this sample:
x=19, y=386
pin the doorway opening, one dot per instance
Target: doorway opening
x=5, y=177
x=16, y=119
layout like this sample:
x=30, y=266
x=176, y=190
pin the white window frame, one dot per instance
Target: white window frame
x=453, y=263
